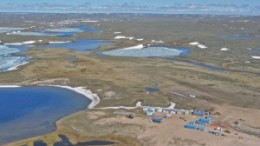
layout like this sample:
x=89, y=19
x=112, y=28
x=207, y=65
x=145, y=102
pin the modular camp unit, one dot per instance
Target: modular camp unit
x=157, y=120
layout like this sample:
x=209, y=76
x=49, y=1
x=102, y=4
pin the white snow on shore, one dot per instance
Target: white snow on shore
x=87, y=93
x=224, y=49
x=123, y=37
x=256, y=57
x=22, y=43
x=199, y=45
x=58, y=42
x=9, y=86
x=140, y=39
x=141, y=46
x=117, y=32
x=194, y=43
x=120, y=37
x=16, y=67
x=29, y=42
x=157, y=42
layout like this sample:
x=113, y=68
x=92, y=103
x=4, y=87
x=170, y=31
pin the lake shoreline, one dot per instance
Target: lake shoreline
x=94, y=100
x=80, y=90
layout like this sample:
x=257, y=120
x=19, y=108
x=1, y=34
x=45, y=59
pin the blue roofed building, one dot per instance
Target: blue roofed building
x=157, y=120
x=198, y=112
x=203, y=121
x=190, y=126
x=201, y=127
x=150, y=111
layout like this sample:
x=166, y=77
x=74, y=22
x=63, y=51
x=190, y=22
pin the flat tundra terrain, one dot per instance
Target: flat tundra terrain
x=221, y=68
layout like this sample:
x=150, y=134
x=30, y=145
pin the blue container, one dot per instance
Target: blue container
x=190, y=126
x=157, y=120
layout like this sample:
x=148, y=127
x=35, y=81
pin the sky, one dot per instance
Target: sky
x=246, y=7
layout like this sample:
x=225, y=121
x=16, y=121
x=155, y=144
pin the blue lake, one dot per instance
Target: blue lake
x=155, y=51
x=66, y=32
x=31, y=111
x=65, y=142
x=152, y=89
x=241, y=37
x=162, y=52
x=256, y=51
x=79, y=45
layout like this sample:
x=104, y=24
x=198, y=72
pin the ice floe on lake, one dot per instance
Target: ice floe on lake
x=4, y=50
x=35, y=34
x=9, y=62
x=8, y=29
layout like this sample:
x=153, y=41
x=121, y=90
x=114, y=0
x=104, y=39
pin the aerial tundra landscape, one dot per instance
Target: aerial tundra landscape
x=130, y=73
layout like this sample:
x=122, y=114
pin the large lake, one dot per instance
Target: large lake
x=79, y=44
x=59, y=32
x=32, y=111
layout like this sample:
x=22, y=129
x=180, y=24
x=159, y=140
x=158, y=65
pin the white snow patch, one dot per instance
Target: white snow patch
x=58, y=42
x=9, y=86
x=117, y=32
x=157, y=42
x=247, y=62
x=87, y=93
x=141, y=46
x=21, y=43
x=194, y=43
x=224, y=49
x=141, y=39
x=120, y=37
x=29, y=42
x=16, y=67
x=256, y=57
x=123, y=37
x=199, y=45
